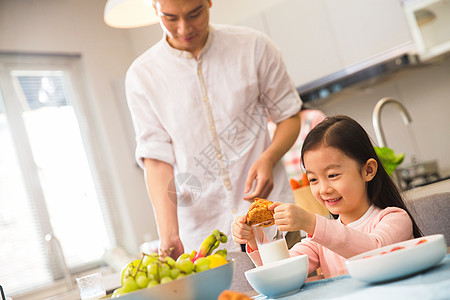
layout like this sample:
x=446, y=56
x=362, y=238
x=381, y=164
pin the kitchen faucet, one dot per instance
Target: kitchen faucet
x=376, y=118
x=51, y=239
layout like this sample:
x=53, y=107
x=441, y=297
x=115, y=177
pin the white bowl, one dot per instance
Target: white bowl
x=383, y=264
x=279, y=278
x=205, y=285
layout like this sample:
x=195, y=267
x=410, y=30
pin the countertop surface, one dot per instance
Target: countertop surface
x=426, y=190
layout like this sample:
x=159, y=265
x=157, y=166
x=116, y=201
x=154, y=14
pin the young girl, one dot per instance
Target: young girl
x=347, y=177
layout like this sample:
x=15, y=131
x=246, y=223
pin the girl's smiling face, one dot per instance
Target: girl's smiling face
x=339, y=182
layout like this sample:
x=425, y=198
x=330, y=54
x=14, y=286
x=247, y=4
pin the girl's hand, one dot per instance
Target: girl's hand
x=291, y=217
x=242, y=233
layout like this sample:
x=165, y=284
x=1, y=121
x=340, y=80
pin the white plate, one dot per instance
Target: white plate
x=384, y=264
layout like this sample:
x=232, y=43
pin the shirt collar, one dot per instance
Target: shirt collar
x=187, y=54
x=361, y=220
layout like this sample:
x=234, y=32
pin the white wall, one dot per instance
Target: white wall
x=76, y=26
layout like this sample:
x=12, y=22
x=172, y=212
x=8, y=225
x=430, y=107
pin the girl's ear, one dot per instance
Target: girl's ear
x=370, y=169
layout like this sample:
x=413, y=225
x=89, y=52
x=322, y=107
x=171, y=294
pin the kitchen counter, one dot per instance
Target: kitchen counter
x=426, y=190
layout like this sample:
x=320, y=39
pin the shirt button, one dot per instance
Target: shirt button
x=227, y=182
x=199, y=71
x=212, y=127
x=219, y=155
x=234, y=210
x=205, y=99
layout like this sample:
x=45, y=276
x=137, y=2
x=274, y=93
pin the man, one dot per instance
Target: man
x=200, y=100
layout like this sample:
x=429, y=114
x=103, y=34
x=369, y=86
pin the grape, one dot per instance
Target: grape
x=166, y=279
x=129, y=270
x=118, y=292
x=164, y=270
x=142, y=281
x=174, y=273
x=185, y=266
x=152, y=283
x=183, y=256
x=129, y=285
x=153, y=269
x=149, y=258
x=170, y=261
x=201, y=268
x=201, y=264
x=202, y=261
x=140, y=273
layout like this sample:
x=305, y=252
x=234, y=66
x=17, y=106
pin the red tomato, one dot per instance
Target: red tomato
x=421, y=241
x=397, y=248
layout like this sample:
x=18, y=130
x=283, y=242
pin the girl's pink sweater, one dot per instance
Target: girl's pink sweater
x=334, y=242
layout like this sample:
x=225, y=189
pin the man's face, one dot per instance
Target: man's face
x=185, y=22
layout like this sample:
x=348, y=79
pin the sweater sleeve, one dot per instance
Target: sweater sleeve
x=311, y=250
x=389, y=226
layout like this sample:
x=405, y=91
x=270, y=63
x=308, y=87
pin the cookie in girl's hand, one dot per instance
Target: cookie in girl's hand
x=259, y=212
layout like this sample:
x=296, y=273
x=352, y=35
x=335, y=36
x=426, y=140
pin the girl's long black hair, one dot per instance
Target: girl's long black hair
x=348, y=136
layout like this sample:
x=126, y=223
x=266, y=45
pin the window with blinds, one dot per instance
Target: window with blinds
x=49, y=177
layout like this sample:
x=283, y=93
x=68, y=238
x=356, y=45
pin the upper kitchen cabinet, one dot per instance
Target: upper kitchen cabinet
x=322, y=38
x=430, y=27
x=364, y=29
x=302, y=31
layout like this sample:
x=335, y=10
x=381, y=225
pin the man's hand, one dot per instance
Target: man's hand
x=159, y=177
x=261, y=173
x=171, y=247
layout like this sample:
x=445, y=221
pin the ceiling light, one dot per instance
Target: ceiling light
x=130, y=13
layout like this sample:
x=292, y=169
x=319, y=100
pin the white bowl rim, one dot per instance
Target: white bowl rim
x=278, y=263
x=375, y=253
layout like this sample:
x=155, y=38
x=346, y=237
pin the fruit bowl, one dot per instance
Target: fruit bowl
x=203, y=285
x=280, y=278
x=398, y=260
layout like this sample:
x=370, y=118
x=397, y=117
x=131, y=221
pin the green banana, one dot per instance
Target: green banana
x=210, y=244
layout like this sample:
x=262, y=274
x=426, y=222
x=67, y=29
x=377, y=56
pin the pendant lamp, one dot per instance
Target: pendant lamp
x=130, y=13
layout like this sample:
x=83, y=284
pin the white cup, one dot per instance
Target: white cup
x=91, y=286
x=271, y=243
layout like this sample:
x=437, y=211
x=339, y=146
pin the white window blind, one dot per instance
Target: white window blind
x=50, y=179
